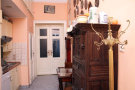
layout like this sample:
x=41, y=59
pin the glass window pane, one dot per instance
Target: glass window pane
x=43, y=32
x=43, y=48
x=56, y=48
x=55, y=32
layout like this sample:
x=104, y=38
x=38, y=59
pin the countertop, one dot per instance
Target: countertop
x=11, y=66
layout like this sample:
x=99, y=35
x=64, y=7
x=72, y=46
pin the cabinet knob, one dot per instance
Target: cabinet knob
x=11, y=79
x=82, y=89
x=82, y=46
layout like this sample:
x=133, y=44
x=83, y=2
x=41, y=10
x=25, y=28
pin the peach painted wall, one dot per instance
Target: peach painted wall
x=60, y=11
x=19, y=30
x=21, y=34
x=28, y=3
x=29, y=15
x=72, y=11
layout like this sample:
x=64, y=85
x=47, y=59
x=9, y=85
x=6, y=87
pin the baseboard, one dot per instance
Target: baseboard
x=23, y=87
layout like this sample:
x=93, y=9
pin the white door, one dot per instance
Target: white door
x=50, y=48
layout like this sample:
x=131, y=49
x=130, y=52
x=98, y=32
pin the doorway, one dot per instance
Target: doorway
x=50, y=48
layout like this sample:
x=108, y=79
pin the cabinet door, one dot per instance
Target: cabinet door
x=5, y=48
x=4, y=27
x=13, y=72
x=98, y=85
x=17, y=82
x=76, y=46
x=9, y=29
x=9, y=47
x=15, y=78
x=5, y=82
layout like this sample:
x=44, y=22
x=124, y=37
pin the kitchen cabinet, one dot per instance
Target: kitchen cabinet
x=6, y=28
x=15, y=78
x=7, y=47
x=5, y=82
x=7, y=31
x=10, y=77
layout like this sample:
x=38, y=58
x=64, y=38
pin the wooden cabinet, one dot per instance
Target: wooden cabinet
x=6, y=28
x=5, y=81
x=7, y=47
x=7, y=31
x=15, y=78
x=90, y=66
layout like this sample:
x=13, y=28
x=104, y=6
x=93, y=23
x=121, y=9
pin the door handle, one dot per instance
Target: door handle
x=50, y=53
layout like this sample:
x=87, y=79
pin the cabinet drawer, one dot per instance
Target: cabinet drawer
x=98, y=85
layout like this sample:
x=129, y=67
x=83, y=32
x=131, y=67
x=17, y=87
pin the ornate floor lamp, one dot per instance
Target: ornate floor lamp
x=110, y=41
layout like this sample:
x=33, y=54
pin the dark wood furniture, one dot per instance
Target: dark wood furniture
x=68, y=65
x=64, y=75
x=90, y=66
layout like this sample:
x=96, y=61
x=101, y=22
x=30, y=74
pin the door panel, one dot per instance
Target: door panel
x=43, y=48
x=56, y=48
x=50, y=48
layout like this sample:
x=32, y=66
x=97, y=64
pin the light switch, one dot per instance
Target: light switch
x=122, y=48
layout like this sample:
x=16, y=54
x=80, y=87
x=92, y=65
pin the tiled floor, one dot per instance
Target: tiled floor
x=48, y=82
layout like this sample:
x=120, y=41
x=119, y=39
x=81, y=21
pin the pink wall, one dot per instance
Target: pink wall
x=24, y=79
x=20, y=35
x=60, y=11
x=21, y=29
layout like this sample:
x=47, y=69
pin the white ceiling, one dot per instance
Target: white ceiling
x=52, y=1
x=10, y=10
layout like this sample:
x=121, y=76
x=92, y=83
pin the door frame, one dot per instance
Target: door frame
x=64, y=22
x=30, y=74
x=31, y=59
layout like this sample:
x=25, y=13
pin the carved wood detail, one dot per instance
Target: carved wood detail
x=90, y=66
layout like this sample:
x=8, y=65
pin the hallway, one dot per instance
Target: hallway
x=94, y=38
x=48, y=82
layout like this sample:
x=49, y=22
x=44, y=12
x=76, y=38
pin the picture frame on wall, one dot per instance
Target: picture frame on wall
x=49, y=9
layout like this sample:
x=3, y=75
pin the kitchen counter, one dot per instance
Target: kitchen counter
x=11, y=65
